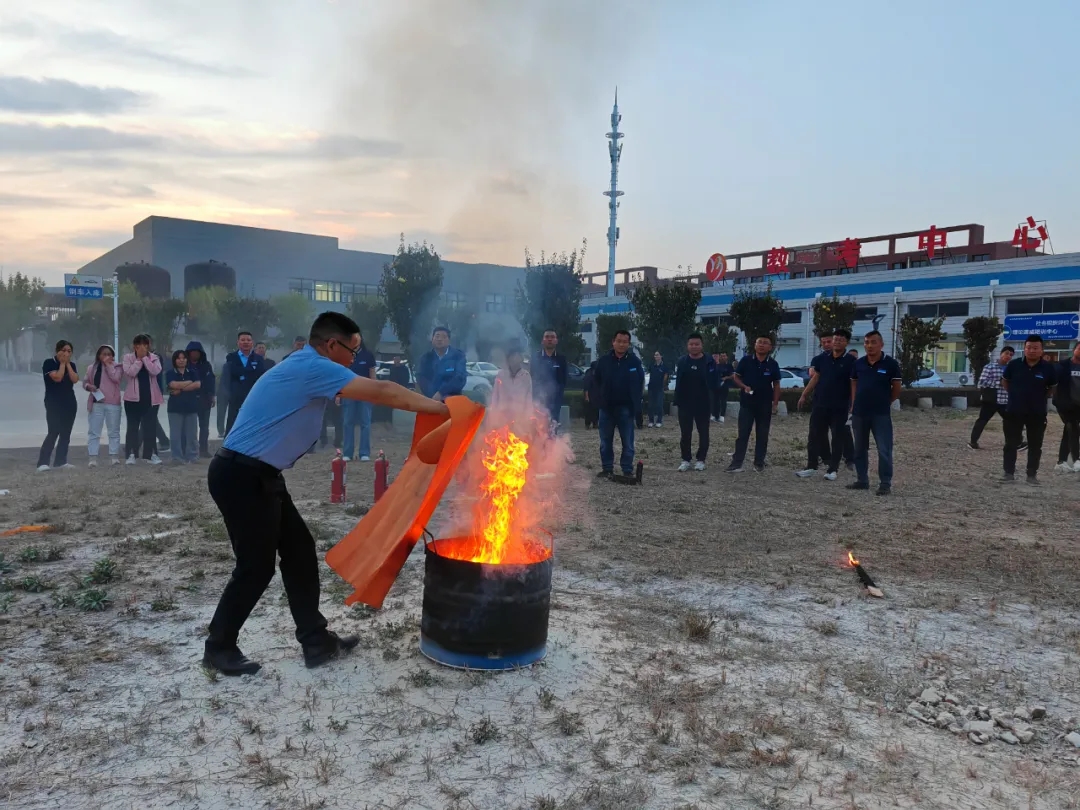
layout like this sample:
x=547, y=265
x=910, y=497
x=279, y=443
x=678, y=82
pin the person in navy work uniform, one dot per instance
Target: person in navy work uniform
x=358, y=414
x=242, y=369
x=830, y=388
x=278, y=424
x=722, y=378
x=658, y=379
x=1029, y=381
x=875, y=384
x=693, y=397
x=758, y=377
x=619, y=380
x=441, y=373
x=548, y=371
x=60, y=406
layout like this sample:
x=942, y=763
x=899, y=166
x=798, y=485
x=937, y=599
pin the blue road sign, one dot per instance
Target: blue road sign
x=1051, y=325
x=79, y=286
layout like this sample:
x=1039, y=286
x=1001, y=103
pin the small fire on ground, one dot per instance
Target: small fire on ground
x=498, y=537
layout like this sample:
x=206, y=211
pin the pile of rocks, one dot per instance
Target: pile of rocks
x=981, y=724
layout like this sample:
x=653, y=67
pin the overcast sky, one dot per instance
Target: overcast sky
x=479, y=124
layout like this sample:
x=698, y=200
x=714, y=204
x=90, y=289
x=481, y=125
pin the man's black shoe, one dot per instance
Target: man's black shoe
x=605, y=474
x=229, y=661
x=327, y=647
x=883, y=491
x=973, y=445
x=858, y=485
x=850, y=466
x=759, y=468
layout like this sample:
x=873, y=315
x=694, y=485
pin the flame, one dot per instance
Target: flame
x=852, y=560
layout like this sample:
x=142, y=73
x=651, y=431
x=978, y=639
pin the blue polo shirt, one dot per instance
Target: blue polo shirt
x=363, y=363
x=833, y=388
x=282, y=417
x=1029, y=386
x=760, y=375
x=873, y=385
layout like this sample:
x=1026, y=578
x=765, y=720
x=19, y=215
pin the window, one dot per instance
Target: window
x=798, y=274
x=1068, y=303
x=585, y=328
x=872, y=268
x=945, y=309
x=792, y=316
x=493, y=302
x=949, y=358
x=865, y=313
x=899, y=266
x=756, y=279
x=337, y=292
x=813, y=273
x=1035, y=306
x=981, y=257
x=454, y=300
x=919, y=263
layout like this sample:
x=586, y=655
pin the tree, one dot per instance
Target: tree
x=607, y=326
x=292, y=316
x=459, y=318
x=204, y=314
x=242, y=314
x=980, y=337
x=720, y=339
x=831, y=314
x=410, y=288
x=19, y=297
x=757, y=312
x=664, y=316
x=916, y=337
x=370, y=316
x=549, y=297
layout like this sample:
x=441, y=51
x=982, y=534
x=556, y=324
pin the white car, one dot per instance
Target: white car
x=789, y=379
x=928, y=379
x=480, y=385
x=482, y=369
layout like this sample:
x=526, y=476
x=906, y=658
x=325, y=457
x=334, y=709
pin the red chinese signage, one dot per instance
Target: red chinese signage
x=848, y=251
x=932, y=240
x=1022, y=241
x=777, y=260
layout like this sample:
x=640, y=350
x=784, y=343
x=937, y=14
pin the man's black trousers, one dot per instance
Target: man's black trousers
x=263, y=524
x=824, y=421
x=1015, y=425
x=689, y=418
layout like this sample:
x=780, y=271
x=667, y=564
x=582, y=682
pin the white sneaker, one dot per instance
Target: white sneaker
x=114, y=461
x=365, y=458
x=659, y=424
x=699, y=466
x=1064, y=467
x=652, y=424
x=830, y=476
x=1076, y=467
x=93, y=463
x=44, y=468
x=684, y=467
x=67, y=466
x=154, y=460
x=346, y=459
x=807, y=473
x=130, y=460
x=720, y=420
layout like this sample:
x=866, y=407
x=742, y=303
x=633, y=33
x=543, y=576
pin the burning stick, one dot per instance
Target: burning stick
x=864, y=578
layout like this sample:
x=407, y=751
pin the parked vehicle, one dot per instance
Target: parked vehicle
x=928, y=378
x=789, y=379
x=801, y=371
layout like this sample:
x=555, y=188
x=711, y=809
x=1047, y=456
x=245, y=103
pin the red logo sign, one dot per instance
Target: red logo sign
x=1021, y=239
x=932, y=240
x=777, y=260
x=716, y=267
x=848, y=251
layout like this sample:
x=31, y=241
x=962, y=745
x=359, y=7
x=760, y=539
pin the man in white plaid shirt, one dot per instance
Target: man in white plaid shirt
x=995, y=397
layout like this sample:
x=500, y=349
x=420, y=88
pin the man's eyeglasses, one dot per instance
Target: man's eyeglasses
x=350, y=349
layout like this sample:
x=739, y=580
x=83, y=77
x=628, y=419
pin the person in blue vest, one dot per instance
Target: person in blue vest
x=658, y=381
x=279, y=422
x=830, y=391
x=875, y=385
x=758, y=378
x=1029, y=380
x=694, y=375
x=440, y=373
x=242, y=369
x=548, y=371
x=723, y=374
x=620, y=381
x=355, y=413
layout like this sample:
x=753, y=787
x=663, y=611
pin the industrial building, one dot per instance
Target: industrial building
x=1027, y=287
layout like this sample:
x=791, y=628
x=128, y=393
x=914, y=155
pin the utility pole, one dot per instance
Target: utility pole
x=615, y=152
x=116, y=311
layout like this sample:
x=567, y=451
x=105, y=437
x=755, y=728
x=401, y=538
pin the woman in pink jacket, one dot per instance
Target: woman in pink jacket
x=103, y=408
x=142, y=398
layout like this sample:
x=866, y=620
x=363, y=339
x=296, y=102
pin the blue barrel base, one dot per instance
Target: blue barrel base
x=440, y=655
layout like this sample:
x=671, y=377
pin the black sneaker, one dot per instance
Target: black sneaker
x=327, y=647
x=1023, y=446
x=883, y=490
x=858, y=485
x=734, y=468
x=1033, y=481
x=759, y=468
x=229, y=660
x=973, y=445
x=606, y=474
x=1008, y=478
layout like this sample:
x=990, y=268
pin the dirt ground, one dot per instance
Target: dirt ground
x=708, y=647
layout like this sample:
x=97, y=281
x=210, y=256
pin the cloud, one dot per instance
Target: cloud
x=102, y=43
x=58, y=96
x=345, y=147
x=99, y=239
x=30, y=202
x=36, y=138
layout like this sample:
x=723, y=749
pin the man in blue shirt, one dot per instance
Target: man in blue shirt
x=548, y=370
x=619, y=380
x=693, y=390
x=658, y=378
x=279, y=422
x=1029, y=382
x=830, y=387
x=441, y=372
x=875, y=384
x=758, y=377
x=723, y=375
x=242, y=370
x=358, y=414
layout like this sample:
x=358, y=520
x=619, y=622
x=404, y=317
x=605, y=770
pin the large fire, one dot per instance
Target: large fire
x=499, y=536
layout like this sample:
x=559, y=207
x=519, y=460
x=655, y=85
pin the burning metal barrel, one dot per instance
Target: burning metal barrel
x=480, y=615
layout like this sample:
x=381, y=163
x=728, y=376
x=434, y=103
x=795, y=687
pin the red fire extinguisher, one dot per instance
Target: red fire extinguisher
x=337, y=478
x=382, y=474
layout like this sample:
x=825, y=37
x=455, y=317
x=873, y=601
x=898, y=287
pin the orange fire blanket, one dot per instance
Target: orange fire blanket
x=371, y=556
